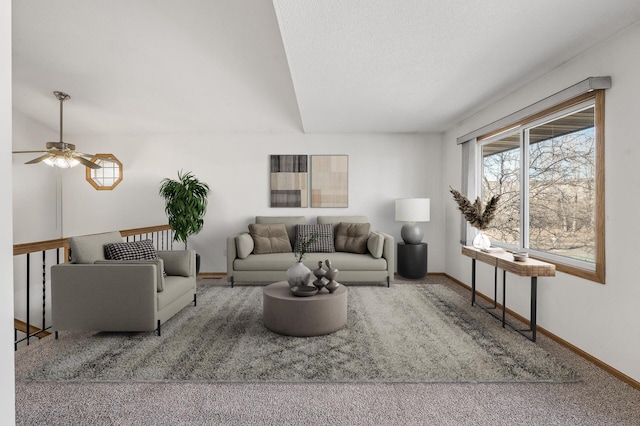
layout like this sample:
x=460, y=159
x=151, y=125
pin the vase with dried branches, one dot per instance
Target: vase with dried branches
x=478, y=216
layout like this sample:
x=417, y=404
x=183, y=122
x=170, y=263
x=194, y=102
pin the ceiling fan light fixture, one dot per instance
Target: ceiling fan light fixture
x=62, y=161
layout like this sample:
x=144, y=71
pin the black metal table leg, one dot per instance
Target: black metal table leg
x=534, y=306
x=495, y=287
x=504, y=296
x=473, y=282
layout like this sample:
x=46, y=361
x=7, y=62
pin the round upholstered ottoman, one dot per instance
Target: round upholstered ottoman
x=292, y=315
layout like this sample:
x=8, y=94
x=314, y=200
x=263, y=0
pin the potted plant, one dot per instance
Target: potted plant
x=185, y=205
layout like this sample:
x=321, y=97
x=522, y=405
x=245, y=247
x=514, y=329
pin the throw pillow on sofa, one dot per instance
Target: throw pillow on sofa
x=352, y=237
x=244, y=245
x=375, y=244
x=270, y=238
x=323, y=242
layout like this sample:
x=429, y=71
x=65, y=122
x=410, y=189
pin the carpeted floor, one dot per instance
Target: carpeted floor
x=598, y=399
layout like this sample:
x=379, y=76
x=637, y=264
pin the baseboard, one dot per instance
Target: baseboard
x=601, y=364
x=205, y=275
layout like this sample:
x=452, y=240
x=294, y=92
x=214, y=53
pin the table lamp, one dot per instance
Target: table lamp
x=412, y=210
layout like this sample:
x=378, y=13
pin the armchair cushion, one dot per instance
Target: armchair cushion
x=134, y=250
x=352, y=237
x=89, y=248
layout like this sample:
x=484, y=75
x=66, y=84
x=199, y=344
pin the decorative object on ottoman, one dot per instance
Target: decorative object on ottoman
x=477, y=216
x=298, y=274
x=331, y=275
x=304, y=290
x=319, y=274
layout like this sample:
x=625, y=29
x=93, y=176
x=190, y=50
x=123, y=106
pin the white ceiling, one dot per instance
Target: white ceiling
x=254, y=66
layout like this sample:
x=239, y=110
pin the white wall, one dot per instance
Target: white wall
x=600, y=319
x=382, y=167
x=7, y=385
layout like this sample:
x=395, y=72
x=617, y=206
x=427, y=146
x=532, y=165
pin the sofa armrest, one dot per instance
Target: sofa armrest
x=108, y=297
x=232, y=254
x=389, y=253
x=179, y=262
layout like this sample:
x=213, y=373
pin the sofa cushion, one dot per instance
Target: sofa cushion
x=352, y=237
x=132, y=250
x=89, y=248
x=269, y=238
x=290, y=223
x=244, y=245
x=375, y=244
x=282, y=261
x=336, y=220
x=323, y=242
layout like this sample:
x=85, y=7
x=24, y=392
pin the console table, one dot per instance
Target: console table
x=528, y=268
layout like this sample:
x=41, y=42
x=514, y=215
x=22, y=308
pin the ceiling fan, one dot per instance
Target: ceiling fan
x=62, y=154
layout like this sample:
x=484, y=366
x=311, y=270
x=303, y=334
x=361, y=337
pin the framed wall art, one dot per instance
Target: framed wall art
x=289, y=181
x=329, y=181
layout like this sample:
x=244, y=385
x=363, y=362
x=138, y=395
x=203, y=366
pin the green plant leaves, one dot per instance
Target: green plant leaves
x=185, y=204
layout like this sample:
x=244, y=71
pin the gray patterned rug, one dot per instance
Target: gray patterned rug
x=406, y=333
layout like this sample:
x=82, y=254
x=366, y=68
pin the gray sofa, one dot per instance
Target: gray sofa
x=375, y=265
x=93, y=293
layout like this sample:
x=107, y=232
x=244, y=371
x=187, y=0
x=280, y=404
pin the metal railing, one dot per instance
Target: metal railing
x=52, y=252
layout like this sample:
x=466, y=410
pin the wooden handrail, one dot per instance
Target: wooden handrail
x=64, y=243
x=145, y=230
x=40, y=246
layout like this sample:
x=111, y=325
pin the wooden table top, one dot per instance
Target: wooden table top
x=527, y=268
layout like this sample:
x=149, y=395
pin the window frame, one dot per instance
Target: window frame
x=90, y=173
x=591, y=271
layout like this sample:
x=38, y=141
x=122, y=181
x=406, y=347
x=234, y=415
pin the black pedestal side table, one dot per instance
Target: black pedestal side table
x=412, y=260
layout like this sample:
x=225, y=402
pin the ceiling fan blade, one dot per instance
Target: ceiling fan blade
x=86, y=162
x=28, y=152
x=94, y=156
x=38, y=159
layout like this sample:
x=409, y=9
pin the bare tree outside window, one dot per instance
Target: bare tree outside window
x=561, y=181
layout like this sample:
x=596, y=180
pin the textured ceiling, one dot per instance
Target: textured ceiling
x=162, y=66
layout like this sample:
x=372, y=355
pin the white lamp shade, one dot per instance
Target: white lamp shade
x=413, y=209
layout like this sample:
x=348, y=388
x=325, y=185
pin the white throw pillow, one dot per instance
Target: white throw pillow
x=375, y=244
x=244, y=245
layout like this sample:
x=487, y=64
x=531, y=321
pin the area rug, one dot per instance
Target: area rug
x=405, y=333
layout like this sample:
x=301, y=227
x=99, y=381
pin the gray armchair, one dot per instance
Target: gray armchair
x=93, y=293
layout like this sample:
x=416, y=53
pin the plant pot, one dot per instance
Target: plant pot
x=197, y=264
